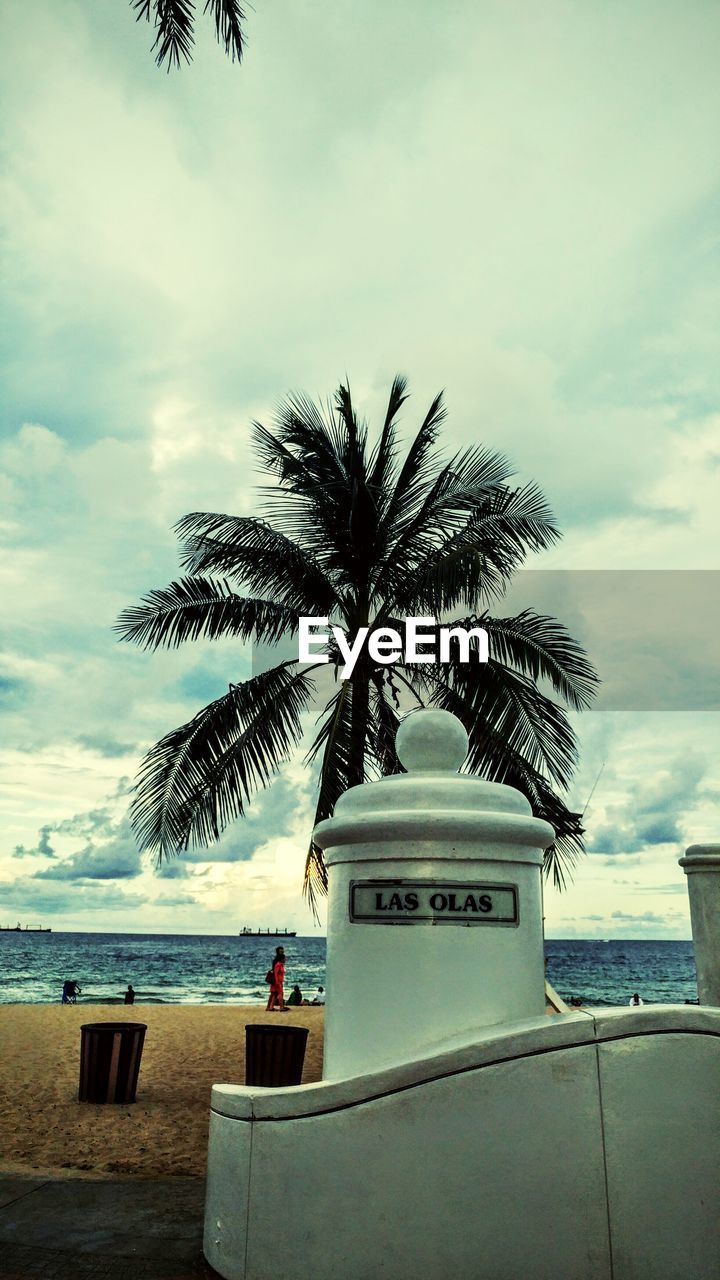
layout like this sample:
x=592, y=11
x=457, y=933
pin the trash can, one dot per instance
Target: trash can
x=274, y=1056
x=110, y=1054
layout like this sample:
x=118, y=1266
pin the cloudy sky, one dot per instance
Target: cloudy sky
x=517, y=202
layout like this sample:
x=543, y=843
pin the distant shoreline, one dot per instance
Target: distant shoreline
x=54, y=931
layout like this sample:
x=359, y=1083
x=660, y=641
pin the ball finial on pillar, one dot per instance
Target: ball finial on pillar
x=431, y=740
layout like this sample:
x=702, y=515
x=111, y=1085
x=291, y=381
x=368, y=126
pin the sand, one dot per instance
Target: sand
x=188, y=1048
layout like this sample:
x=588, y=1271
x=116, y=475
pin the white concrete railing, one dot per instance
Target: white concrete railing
x=701, y=865
x=566, y=1147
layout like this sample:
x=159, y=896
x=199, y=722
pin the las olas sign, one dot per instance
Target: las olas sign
x=432, y=902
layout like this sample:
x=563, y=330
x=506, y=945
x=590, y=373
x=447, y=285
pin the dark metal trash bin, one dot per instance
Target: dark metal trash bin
x=274, y=1056
x=110, y=1054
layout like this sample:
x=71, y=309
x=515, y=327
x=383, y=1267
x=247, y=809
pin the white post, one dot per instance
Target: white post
x=434, y=912
x=701, y=865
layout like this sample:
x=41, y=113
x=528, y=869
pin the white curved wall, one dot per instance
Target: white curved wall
x=576, y=1148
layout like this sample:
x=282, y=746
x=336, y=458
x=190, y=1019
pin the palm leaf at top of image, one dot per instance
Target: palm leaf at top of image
x=174, y=23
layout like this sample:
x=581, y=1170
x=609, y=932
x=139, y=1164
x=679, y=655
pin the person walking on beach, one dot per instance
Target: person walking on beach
x=129, y=995
x=70, y=992
x=277, y=994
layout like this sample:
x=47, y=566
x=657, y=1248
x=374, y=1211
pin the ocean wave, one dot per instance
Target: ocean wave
x=195, y=970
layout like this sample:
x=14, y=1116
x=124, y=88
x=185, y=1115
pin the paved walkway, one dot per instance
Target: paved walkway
x=134, y=1229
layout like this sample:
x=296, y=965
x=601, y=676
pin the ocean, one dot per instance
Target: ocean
x=190, y=969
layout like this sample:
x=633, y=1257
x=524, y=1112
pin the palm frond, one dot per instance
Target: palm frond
x=199, y=777
x=174, y=26
x=229, y=18
x=326, y=505
x=299, y=426
x=356, y=554
x=418, y=467
x=533, y=726
x=317, y=521
x=435, y=514
x=309, y=458
x=256, y=554
x=174, y=20
x=474, y=563
x=459, y=573
x=353, y=434
x=491, y=756
x=333, y=739
x=195, y=607
x=385, y=720
x=542, y=648
x=510, y=523
x=462, y=484
x=380, y=463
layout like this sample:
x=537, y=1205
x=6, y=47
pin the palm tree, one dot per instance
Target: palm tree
x=360, y=535
x=174, y=22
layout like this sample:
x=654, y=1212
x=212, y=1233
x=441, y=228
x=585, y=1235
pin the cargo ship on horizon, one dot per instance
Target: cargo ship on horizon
x=24, y=928
x=266, y=933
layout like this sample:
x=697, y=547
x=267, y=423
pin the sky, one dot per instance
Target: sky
x=516, y=202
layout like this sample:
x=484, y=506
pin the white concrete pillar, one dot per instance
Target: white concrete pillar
x=435, y=914
x=701, y=865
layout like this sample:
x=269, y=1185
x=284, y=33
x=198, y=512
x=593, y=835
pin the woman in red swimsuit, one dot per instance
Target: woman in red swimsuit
x=277, y=995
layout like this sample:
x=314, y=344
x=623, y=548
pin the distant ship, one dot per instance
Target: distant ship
x=266, y=933
x=24, y=928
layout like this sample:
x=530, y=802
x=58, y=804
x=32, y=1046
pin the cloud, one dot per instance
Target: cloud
x=43, y=848
x=270, y=816
x=679, y=889
x=643, y=918
x=106, y=745
x=175, y=869
x=661, y=829
x=109, y=851
x=92, y=863
x=31, y=896
x=12, y=691
x=650, y=633
x=655, y=814
x=92, y=821
x=116, y=860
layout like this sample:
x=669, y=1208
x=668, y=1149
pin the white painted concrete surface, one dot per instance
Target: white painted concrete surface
x=661, y=1118
x=584, y=1147
x=458, y=1131
x=397, y=986
x=701, y=864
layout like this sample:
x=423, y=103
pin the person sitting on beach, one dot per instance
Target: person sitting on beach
x=319, y=997
x=129, y=995
x=276, y=1001
x=635, y=1000
x=296, y=996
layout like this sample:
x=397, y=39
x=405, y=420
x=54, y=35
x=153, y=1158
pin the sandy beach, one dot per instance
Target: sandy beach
x=188, y=1048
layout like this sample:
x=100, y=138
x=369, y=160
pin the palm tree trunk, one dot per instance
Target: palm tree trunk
x=358, y=722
